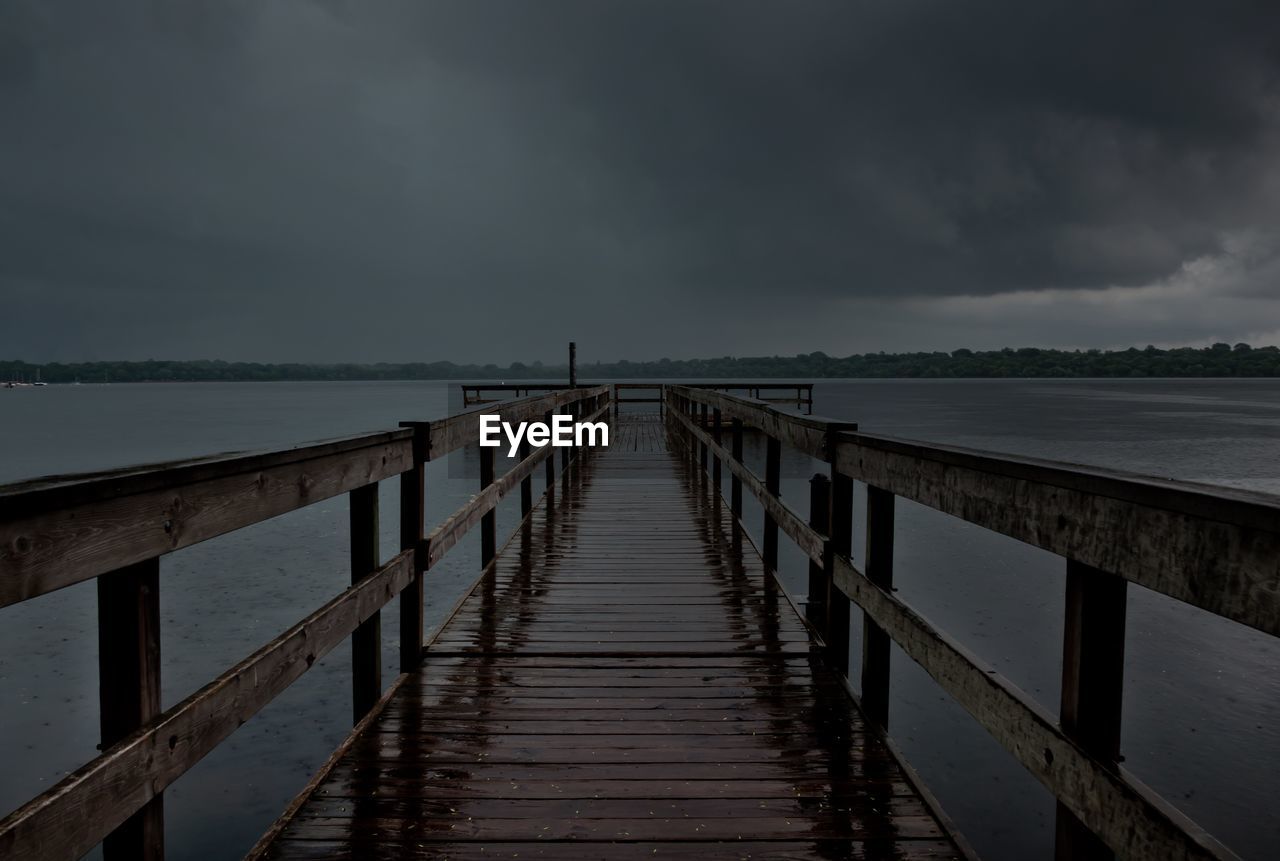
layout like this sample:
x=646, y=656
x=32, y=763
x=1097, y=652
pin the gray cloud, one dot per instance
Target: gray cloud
x=482, y=181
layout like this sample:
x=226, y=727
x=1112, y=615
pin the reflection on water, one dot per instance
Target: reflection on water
x=1202, y=695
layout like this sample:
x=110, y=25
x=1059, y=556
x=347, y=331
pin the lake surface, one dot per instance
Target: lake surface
x=1202, y=695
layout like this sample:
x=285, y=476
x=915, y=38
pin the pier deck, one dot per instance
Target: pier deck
x=627, y=682
x=626, y=679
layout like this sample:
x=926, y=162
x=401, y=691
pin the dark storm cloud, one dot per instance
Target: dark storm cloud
x=374, y=180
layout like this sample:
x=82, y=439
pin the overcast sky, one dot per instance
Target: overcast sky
x=484, y=181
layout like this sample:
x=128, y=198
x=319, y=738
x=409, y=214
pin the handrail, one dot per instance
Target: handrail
x=1214, y=548
x=55, y=532
x=1173, y=537
x=114, y=525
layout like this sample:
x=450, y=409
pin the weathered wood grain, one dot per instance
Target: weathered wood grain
x=806, y=538
x=807, y=433
x=42, y=550
x=445, y=536
x=129, y=689
x=74, y=815
x=1127, y=816
x=698, y=714
x=1214, y=548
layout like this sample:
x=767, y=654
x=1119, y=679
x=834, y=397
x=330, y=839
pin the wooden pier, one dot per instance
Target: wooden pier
x=627, y=682
x=627, y=678
x=798, y=395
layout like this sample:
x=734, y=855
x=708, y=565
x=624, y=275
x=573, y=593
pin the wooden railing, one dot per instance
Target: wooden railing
x=645, y=393
x=115, y=526
x=488, y=393
x=1214, y=548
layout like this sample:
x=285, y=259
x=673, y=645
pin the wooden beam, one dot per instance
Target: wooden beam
x=773, y=488
x=1213, y=548
x=809, y=541
x=526, y=483
x=129, y=689
x=840, y=544
x=58, y=533
x=815, y=608
x=1092, y=689
x=488, y=519
x=458, y=524
x=463, y=429
x=703, y=451
x=75, y=814
x=1135, y=822
x=806, y=433
x=413, y=487
x=735, y=501
x=875, y=642
x=366, y=640
x=716, y=449
x=550, y=489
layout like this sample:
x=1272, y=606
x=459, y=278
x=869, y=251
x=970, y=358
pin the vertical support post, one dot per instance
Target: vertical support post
x=820, y=519
x=1092, y=688
x=735, y=484
x=366, y=639
x=716, y=435
x=841, y=542
x=412, y=506
x=573, y=364
x=129, y=688
x=526, y=483
x=702, y=423
x=691, y=410
x=875, y=642
x=488, y=521
x=564, y=452
x=550, y=489
x=773, y=484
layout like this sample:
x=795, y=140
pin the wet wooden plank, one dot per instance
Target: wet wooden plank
x=834, y=850
x=627, y=682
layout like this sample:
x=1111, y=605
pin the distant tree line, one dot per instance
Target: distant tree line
x=1219, y=360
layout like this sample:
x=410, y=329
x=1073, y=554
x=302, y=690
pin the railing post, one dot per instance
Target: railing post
x=550, y=489
x=1092, y=688
x=875, y=642
x=702, y=423
x=489, y=521
x=820, y=519
x=716, y=435
x=129, y=688
x=691, y=410
x=526, y=483
x=366, y=640
x=735, y=483
x=836, y=631
x=412, y=505
x=773, y=484
x=564, y=452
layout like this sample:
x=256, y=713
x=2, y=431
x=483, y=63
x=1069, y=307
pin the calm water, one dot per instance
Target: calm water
x=1202, y=694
